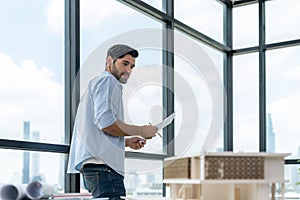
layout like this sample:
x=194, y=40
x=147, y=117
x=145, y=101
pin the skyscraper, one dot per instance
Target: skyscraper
x=35, y=167
x=26, y=134
x=270, y=135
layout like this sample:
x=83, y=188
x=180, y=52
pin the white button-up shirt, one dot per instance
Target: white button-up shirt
x=100, y=106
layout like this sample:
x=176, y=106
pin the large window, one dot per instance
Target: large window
x=32, y=91
x=266, y=85
x=252, y=52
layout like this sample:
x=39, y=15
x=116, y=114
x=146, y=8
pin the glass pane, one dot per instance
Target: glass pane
x=143, y=178
x=142, y=95
x=198, y=84
x=245, y=103
x=283, y=97
x=204, y=16
x=22, y=167
x=32, y=70
x=292, y=189
x=245, y=26
x=282, y=19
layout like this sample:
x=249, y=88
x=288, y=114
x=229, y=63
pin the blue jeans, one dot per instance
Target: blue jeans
x=103, y=181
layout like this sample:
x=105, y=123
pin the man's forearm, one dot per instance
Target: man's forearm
x=120, y=128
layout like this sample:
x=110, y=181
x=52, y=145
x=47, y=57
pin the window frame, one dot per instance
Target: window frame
x=72, y=64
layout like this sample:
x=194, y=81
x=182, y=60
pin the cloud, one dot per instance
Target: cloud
x=30, y=93
x=55, y=16
x=95, y=12
x=92, y=13
x=293, y=74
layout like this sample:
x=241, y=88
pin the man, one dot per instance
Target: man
x=98, y=143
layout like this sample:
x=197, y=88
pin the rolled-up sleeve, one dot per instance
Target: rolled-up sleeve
x=106, y=95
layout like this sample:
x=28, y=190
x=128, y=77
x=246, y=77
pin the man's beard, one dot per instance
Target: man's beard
x=119, y=76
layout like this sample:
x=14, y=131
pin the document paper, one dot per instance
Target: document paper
x=165, y=122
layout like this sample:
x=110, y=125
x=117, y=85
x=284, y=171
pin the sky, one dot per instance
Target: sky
x=32, y=75
x=32, y=70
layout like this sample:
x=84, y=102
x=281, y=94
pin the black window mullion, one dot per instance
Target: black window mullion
x=33, y=146
x=72, y=93
x=228, y=82
x=168, y=76
x=262, y=78
x=168, y=79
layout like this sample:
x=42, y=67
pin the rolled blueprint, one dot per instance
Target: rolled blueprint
x=12, y=192
x=38, y=190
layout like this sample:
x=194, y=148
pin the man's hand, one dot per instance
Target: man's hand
x=135, y=142
x=148, y=131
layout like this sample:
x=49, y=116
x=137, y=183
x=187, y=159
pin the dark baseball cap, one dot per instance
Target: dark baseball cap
x=120, y=50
